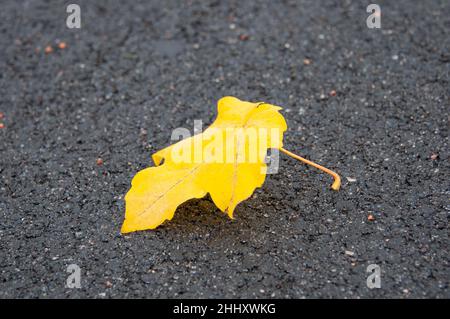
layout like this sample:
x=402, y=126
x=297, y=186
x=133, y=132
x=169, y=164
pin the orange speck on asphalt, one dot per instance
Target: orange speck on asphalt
x=62, y=45
x=371, y=218
x=333, y=93
x=48, y=49
x=99, y=161
x=2, y=125
x=307, y=61
x=244, y=37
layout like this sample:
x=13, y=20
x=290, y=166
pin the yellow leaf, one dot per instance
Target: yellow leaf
x=227, y=161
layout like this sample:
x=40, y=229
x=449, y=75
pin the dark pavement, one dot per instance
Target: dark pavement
x=136, y=70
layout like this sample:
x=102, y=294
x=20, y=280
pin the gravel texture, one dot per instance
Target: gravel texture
x=79, y=122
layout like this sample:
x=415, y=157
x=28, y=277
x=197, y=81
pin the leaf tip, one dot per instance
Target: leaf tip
x=229, y=211
x=125, y=228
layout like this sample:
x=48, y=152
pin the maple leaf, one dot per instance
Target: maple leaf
x=227, y=161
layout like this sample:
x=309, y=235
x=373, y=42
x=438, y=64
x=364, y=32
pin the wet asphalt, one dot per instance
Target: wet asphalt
x=78, y=121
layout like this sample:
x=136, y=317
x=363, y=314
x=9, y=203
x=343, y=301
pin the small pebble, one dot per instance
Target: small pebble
x=333, y=93
x=99, y=161
x=351, y=179
x=349, y=253
x=433, y=156
x=371, y=218
x=307, y=61
x=143, y=132
x=2, y=115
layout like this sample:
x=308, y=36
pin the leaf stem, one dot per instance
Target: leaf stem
x=337, y=179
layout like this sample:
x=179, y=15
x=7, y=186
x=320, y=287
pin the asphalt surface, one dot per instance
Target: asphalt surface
x=136, y=70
